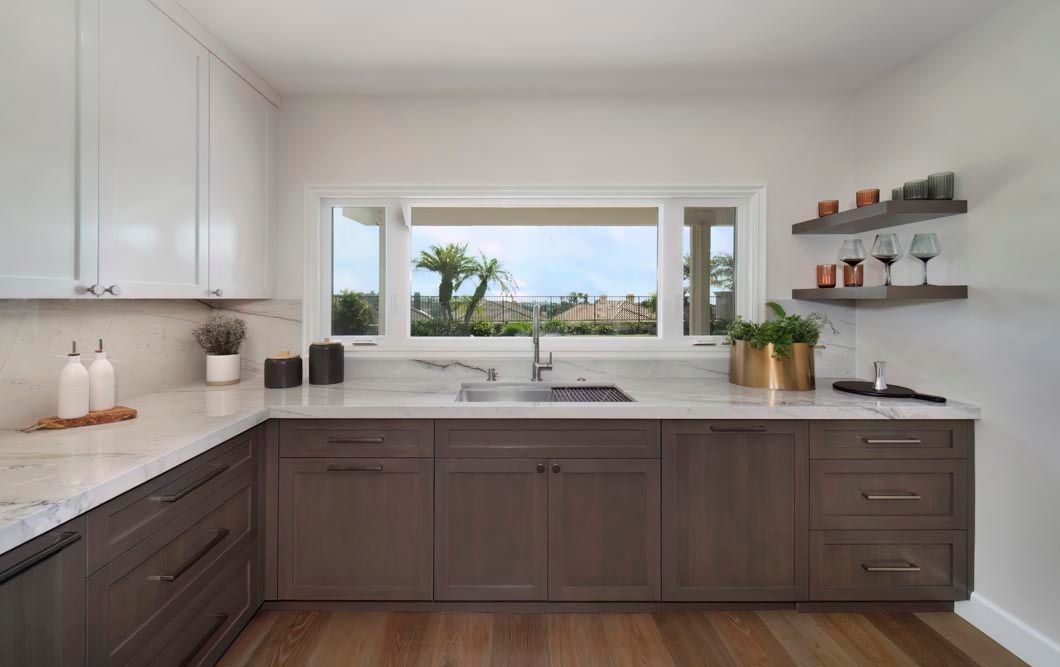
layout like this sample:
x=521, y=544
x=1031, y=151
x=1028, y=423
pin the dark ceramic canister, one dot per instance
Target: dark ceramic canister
x=940, y=185
x=326, y=362
x=283, y=370
x=897, y=194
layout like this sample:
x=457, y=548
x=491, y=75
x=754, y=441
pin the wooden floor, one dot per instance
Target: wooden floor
x=676, y=638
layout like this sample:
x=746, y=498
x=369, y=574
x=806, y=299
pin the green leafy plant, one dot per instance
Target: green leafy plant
x=782, y=332
x=221, y=334
x=352, y=315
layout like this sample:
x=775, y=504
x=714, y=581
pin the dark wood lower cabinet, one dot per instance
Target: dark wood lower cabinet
x=490, y=528
x=603, y=530
x=42, y=599
x=735, y=508
x=355, y=529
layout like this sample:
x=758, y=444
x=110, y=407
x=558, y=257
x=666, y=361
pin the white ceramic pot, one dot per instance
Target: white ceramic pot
x=222, y=369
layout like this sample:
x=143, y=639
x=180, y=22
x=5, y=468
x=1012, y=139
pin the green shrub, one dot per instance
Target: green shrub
x=352, y=315
x=516, y=329
x=452, y=328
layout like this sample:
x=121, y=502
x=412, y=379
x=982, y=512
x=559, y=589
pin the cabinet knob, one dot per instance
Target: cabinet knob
x=96, y=290
x=541, y=467
x=114, y=290
x=217, y=292
x=556, y=468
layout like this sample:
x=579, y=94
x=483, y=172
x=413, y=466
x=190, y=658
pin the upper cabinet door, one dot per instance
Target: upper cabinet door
x=241, y=124
x=153, y=154
x=49, y=241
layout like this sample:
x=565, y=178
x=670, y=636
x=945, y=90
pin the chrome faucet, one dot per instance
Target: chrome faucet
x=536, y=366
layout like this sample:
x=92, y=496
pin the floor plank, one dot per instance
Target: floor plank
x=971, y=640
x=678, y=639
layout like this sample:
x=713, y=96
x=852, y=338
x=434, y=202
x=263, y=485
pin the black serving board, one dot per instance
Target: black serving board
x=892, y=391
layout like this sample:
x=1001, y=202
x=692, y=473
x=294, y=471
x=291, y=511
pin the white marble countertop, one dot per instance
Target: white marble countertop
x=47, y=478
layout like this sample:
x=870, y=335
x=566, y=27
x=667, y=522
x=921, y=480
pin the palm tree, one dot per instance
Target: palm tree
x=452, y=265
x=489, y=272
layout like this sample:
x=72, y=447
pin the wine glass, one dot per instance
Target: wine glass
x=925, y=246
x=887, y=249
x=852, y=253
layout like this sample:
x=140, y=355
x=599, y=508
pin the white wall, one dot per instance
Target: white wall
x=797, y=145
x=986, y=105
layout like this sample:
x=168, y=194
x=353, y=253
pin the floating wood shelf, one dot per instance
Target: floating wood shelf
x=882, y=292
x=878, y=216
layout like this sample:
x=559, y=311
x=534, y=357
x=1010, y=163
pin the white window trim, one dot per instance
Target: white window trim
x=395, y=287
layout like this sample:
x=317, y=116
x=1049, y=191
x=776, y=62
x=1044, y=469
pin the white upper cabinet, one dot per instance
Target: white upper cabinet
x=48, y=246
x=153, y=154
x=241, y=125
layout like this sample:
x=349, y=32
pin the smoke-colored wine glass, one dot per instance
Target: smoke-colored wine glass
x=887, y=249
x=925, y=246
x=852, y=253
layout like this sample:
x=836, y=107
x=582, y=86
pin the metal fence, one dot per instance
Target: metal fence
x=501, y=310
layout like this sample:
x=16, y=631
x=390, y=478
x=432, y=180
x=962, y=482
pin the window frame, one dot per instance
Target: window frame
x=396, y=271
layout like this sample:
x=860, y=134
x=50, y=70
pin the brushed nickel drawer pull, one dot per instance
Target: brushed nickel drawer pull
x=351, y=440
x=892, y=441
x=890, y=567
x=219, y=621
x=751, y=428
x=338, y=468
x=65, y=540
x=194, y=485
x=219, y=535
x=898, y=495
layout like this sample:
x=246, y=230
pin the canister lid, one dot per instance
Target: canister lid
x=282, y=354
x=327, y=342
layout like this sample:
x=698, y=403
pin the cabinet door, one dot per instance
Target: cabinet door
x=49, y=243
x=603, y=529
x=240, y=167
x=355, y=529
x=735, y=508
x=153, y=150
x=490, y=529
x=42, y=600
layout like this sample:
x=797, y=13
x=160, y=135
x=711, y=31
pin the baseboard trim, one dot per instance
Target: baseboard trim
x=1006, y=629
x=520, y=607
x=893, y=607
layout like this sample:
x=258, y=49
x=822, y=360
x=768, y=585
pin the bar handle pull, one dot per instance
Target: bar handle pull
x=194, y=485
x=65, y=540
x=737, y=428
x=218, y=623
x=890, y=567
x=890, y=495
x=356, y=440
x=892, y=441
x=353, y=468
x=219, y=535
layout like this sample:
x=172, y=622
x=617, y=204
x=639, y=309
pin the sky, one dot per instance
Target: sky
x=545, y=261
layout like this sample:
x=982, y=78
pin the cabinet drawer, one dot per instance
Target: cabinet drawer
x=547, y=438
x=355, y=529
x=203, y=629
x=890, y=440
x=888, y=565
x=369, y=438
x=889, y=494
x=124, y=522
x=137, y=594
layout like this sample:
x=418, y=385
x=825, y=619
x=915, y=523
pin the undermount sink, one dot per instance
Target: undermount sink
x=539, y=392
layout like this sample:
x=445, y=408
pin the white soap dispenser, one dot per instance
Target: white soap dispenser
x=73, y=387
x=101, y=382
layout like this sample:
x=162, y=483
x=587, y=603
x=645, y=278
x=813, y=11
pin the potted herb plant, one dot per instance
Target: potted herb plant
x=220, y=336
x=776, y=354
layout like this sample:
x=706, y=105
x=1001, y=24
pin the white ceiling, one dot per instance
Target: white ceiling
x=580, y=46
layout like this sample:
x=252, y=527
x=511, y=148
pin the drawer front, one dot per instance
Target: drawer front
x=369, y=438
x=888, y=565
x=204, y=628
x=890, y=440
x=124, y=522
x=136, y=595
x=547, y=438
x=355, y=529
x=889, y=494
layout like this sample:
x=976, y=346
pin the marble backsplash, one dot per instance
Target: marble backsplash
x=150, y=344
x=148, y=341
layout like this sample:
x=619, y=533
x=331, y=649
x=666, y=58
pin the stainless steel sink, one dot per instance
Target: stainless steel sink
x=539, y=392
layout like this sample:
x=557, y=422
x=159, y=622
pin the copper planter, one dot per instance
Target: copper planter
x=751, y=367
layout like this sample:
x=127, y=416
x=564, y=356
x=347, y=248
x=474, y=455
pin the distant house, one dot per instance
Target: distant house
x=607, y=310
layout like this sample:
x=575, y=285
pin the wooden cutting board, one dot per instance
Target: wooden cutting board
x=118, y=413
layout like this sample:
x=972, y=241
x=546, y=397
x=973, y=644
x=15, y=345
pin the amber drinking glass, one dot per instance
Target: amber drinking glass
x=853, y=253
